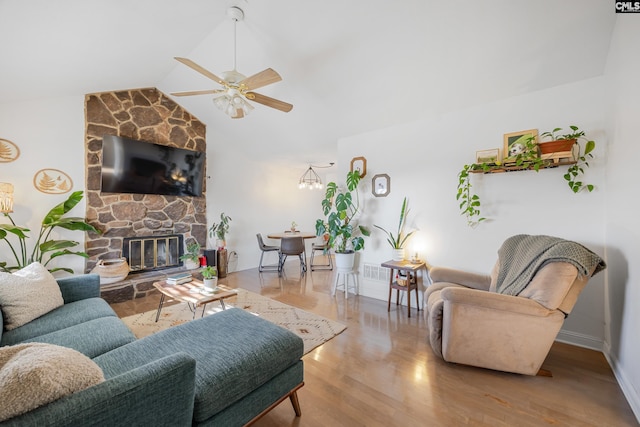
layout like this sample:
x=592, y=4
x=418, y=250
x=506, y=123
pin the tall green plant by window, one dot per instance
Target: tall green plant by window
x=45, y=248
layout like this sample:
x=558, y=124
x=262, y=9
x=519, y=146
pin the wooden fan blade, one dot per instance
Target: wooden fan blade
x=263, y=78
x=203, y=71
x=269, y=102
x=197, y=92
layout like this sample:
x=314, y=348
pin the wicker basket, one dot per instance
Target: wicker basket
x=111, y=270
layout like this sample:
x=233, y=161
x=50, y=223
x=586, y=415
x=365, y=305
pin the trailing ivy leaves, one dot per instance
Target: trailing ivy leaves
x=469, y=202
x=575, y=170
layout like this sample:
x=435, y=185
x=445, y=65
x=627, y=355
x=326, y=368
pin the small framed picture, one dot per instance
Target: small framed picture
x=359, y=164
x=381, y=185
x=488, y=156
x=515, y=142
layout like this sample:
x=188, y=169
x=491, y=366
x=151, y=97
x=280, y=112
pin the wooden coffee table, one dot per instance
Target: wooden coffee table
x=193, y=294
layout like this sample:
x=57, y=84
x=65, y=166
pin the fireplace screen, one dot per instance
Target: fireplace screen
x=153, y=252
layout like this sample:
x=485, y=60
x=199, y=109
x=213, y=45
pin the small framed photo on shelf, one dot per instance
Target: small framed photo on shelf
x=381, y=185
x=516, y=142
x=488, y=156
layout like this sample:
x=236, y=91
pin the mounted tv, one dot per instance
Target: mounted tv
x=130, y=166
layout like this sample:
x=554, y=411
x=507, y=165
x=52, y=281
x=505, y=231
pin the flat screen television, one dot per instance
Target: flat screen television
x=130, y=166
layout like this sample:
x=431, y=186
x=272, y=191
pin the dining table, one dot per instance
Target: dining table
x=285, y=234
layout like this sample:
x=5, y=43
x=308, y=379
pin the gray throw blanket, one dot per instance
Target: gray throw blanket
x=522, y=256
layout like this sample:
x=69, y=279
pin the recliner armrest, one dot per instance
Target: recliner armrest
x=493, y=301
x=76, y=288
x=460, y=277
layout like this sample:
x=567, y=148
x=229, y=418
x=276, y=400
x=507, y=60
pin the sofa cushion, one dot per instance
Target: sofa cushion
x=236, y=352
x=28, y=294
x=32, y=375
x=70, y=314
x=91, y=338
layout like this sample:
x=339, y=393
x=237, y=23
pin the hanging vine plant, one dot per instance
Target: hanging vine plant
x=469, y=201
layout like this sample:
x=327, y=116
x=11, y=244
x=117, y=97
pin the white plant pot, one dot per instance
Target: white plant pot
x=210, y=284
x=345, y=262
x=397, y=255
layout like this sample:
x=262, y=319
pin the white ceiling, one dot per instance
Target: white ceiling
x=347, y=66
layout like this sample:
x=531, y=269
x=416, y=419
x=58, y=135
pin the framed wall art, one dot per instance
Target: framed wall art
x=8, y=151
x=359, y=164
x=381, y=185
x=488, y=156
x=52, y=181
x=515, y=142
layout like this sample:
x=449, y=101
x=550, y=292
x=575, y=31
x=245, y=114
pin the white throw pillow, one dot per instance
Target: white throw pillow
x=27, y=294
x=35, y=374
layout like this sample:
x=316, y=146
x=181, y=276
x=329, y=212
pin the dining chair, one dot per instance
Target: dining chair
x=293, y=246
x=267, y=248
x=326, y=250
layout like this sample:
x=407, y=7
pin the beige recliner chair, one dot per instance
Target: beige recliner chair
x=508, y=320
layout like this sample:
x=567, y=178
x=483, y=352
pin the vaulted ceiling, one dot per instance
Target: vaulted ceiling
x=347, y=66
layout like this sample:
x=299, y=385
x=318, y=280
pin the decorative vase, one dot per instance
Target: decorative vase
x=190, y=264
x=210, y=285
x=345, y=261
x=397, y=254
x=558, y=146
x=111, y=270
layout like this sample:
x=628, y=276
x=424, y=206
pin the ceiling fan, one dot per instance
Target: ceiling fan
x=237, y=88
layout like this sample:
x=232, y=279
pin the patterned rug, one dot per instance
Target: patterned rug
x=313, y=329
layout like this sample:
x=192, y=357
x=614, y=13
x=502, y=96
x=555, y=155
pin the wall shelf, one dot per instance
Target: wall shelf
x=513, y=167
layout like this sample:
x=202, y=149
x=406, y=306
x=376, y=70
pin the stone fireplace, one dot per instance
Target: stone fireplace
x=147, y=115
x=153, y=253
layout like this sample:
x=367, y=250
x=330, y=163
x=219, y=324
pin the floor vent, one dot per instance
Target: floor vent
x=376, y=272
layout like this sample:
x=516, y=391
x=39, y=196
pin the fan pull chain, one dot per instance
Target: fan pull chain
x=235, y=49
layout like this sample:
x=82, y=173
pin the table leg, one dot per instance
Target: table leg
x=409, y=293
x=390, y=289
x=222, y=304
x=204, y=308
x=160, y=307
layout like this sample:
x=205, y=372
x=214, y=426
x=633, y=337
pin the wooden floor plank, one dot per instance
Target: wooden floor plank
x=381, y=370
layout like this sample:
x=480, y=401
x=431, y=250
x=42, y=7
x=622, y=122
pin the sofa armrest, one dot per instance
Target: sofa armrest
x=459, y=277
x=80, y=287
x=158, y=393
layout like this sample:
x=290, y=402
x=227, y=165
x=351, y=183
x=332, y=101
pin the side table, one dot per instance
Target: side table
x=410, y=269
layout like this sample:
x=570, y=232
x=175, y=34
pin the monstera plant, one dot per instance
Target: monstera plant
x=45, y=248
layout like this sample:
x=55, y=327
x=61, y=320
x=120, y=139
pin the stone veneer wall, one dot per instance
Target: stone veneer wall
x=147, y=115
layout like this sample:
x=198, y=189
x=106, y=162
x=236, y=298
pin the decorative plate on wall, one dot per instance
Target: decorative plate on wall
x=8, y=151
x=359, y=164
x=52, y=181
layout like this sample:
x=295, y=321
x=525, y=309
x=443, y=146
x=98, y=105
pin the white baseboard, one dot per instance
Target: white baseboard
x=627, y=387
x=580, y=340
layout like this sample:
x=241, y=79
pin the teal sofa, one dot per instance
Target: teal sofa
x=227, y=369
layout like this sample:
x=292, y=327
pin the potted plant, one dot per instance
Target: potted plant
x=46, y=249
x=191, y=257
x=571, y=140
x=398, y=240
x=340, y=206
x=209, y=278
x=220, y=230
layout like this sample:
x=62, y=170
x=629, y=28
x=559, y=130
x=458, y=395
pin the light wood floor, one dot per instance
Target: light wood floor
x=381, y=370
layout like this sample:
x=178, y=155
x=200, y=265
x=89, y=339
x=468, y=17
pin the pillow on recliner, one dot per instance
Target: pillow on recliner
x=28, y=294
x=35, y=374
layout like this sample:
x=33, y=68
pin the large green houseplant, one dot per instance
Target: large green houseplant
x=340, y=207
x=398, y=240
x=45, y=248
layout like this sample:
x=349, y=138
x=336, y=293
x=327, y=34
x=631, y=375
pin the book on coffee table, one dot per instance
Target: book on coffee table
x=177, y=279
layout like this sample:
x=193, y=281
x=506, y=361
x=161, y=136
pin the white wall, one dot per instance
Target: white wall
x=424, y=157
x=621, y=223
x=50, y=134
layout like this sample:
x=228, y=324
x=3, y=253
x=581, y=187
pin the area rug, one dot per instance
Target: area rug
x=313, y=329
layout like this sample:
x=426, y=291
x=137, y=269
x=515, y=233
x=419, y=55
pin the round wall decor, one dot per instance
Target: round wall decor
x=8, y=151
x=52, y=181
